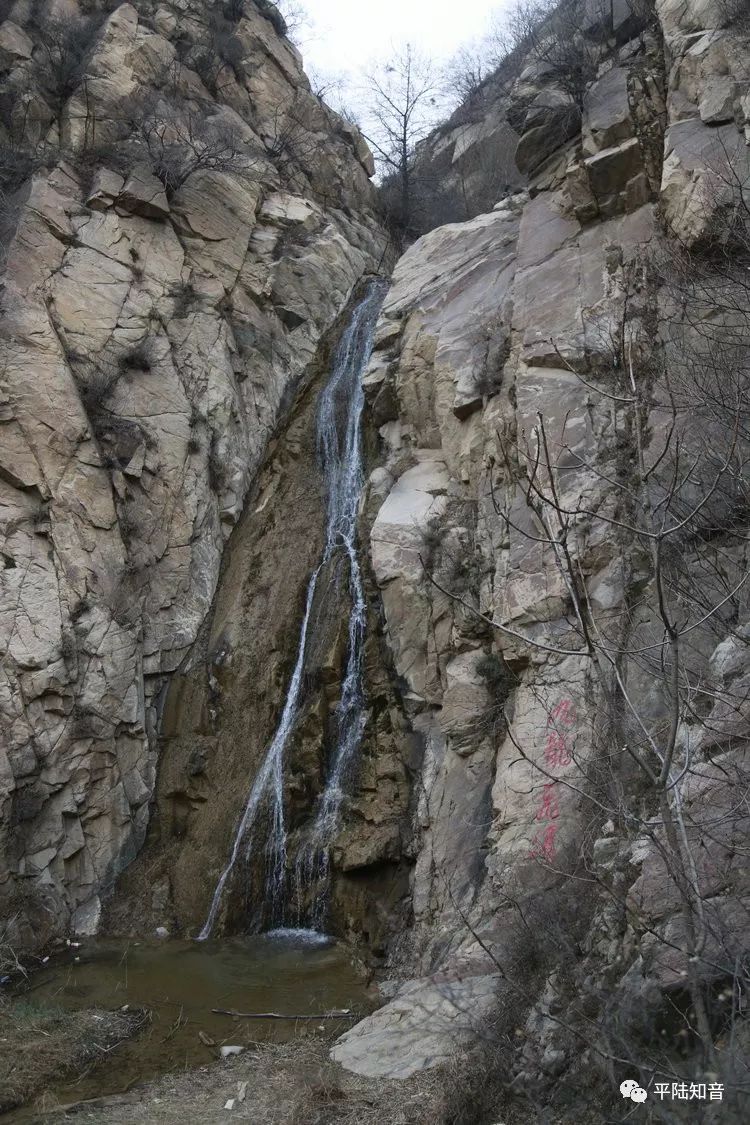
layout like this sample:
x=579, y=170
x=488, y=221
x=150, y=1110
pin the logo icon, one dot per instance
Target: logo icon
x=630, y=1089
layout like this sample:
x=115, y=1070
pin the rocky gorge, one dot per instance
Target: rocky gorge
x=542, y=849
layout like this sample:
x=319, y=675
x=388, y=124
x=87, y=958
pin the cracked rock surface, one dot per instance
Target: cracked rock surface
x=181, y=233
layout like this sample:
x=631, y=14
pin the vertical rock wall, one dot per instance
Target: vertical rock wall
x=183, y=220
x=223, y=707
x=482, y=334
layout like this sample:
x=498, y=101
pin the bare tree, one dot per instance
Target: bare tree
x=180, y=141
x=552, y=35
x=295, y=18
x=292, y=141
x=401, y=97
x=466, y=72
x=64, y=42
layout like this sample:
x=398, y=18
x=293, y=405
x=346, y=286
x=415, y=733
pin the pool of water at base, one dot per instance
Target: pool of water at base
x=290, y=972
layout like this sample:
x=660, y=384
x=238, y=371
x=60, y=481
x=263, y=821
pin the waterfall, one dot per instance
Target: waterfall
x=340, y=448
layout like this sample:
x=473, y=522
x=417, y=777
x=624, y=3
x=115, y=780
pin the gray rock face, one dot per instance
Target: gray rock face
x=709, y=78
x=608, y=119
x=486, y=326
x=159, y=316
x=431, y=1021
x=163, y=298
x=539, y=142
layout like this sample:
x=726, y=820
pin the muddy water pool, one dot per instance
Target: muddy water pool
x=180, y=982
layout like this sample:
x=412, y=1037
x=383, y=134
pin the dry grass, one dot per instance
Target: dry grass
x=40, y=1044
x=9, y=963
x=283, y=1084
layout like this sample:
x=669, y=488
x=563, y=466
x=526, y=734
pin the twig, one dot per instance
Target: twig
x=343, y=1014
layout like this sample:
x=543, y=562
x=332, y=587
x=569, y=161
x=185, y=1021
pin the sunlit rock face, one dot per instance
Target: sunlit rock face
x=184, y=221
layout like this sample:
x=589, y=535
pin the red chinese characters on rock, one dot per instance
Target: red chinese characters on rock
x=549, y=808
x=561, y=718
x=560, y=723
x=543, y=844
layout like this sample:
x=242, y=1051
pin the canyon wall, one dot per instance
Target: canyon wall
x=183, y=222
x=185, y=226
x=223, y=708
x=502, y=537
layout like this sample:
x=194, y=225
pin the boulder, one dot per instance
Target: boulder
x=398, y=534
x=628, y=18
x=717, y=105
x=466, y=700
x=617, y=178
x=15, y=44
x=143, y=194
x=579, y=193
x=678, y=17
x=606, y=116
x=622, y=19
x=105, y=190
x=539, y=143
x=360, y=146
x=165, y=21
x=424, y=1026
x=695, y=187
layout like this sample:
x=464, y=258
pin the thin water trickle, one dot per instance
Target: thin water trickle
x=340, y=447
x=269, y=783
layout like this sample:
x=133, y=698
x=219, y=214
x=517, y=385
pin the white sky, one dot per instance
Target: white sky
x=347, y=34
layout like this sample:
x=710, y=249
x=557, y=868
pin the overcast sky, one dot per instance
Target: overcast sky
x=347, y=34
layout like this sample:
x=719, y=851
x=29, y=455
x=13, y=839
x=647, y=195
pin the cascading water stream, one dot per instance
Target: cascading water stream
x=341, y=457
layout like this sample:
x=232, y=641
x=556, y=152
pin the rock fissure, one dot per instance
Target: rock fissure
x=544, y=825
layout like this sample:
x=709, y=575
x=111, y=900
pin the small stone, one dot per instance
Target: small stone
x=161, y=932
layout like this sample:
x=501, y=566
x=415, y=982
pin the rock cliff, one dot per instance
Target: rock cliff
x=183, y=222
x=546, y=832
x=540, y=371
